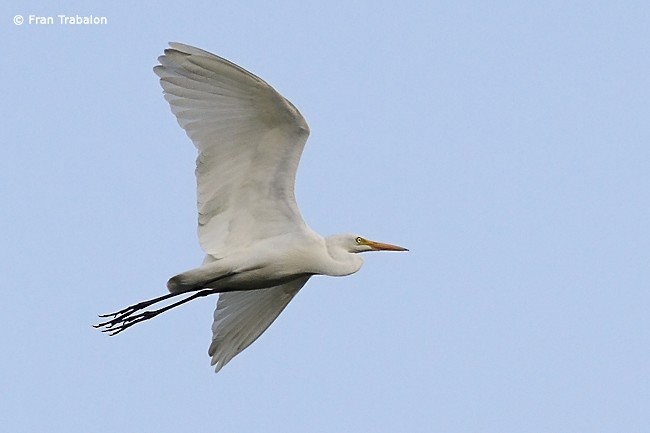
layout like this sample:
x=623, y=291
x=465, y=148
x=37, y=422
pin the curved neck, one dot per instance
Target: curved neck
x=342, y=262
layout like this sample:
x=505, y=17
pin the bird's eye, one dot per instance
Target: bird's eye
x=358, y=239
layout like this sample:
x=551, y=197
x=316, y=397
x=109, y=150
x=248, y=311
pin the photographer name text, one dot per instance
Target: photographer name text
x=65, y=20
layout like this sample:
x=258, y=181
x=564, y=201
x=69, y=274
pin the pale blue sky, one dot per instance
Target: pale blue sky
x=506, y=144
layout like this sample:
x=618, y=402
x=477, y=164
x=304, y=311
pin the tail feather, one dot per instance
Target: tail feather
x=198, y=278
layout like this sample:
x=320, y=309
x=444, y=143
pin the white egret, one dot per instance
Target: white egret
x=259, y=251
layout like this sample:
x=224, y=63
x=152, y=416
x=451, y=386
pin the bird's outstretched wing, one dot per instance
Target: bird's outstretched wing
x=249, y=139
x=241, y=317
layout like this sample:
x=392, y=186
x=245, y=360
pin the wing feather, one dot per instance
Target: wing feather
x=241, y=317
x=249, y=140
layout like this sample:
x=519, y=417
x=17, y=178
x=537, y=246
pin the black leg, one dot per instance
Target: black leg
x=139, y=306
x=125, y=318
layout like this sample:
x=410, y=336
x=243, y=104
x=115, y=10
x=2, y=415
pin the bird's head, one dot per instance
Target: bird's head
x=362, y=244
x=357, y=244
x=343, y=248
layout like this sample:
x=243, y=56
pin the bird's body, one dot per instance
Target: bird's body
x=259, y=251
x=268, y=263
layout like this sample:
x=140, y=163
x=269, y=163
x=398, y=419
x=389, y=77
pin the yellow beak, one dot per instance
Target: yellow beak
x=378, y=246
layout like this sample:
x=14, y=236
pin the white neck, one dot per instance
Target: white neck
x=342, y=261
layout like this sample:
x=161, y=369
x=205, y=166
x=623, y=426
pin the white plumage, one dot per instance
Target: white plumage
x=249, y=140
x=259, y=251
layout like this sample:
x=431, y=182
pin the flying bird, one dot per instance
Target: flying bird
x=259, y=251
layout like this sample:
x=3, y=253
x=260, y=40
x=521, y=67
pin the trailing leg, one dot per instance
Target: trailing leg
x=126, y=318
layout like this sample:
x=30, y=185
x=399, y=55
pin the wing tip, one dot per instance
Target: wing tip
x=218, y=359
